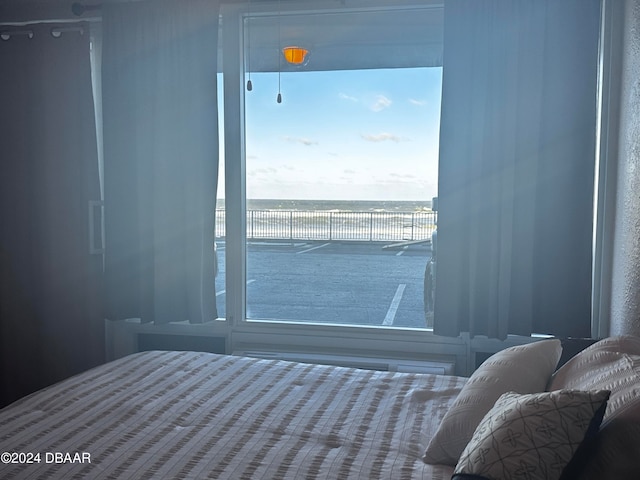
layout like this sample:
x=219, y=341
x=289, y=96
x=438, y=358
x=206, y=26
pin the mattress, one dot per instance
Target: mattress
x=193, y=415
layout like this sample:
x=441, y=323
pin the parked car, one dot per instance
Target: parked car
x=215, y=259
x=430, y=276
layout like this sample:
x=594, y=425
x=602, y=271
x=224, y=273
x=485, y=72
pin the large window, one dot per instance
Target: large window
x=339, y=166
x=340, y=178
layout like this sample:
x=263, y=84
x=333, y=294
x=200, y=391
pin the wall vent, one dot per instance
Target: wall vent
x=444, y=366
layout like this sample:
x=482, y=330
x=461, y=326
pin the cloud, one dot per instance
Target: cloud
x=344, y=96
x=303, y=141
x=381, y=102
x=348, y=180
x=403, y=176
x=418, y=103
x=259, y=172
x=382, y=137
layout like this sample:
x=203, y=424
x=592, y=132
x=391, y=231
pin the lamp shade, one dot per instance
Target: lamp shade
x=295, y=55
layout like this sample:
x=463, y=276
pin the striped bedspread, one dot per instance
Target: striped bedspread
x=191, y=415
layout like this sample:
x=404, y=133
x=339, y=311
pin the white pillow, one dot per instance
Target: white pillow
x=521, y=369
x=610, y=364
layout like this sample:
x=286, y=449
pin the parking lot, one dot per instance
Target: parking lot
x=357, y=283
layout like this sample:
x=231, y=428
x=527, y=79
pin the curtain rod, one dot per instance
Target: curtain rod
x=78, y=8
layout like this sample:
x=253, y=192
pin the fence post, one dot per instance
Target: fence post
x=291, y=225
x=413, y=222
x=370, y=226
x=330, y=225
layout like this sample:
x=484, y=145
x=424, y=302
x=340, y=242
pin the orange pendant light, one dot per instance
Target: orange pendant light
x=295, y=55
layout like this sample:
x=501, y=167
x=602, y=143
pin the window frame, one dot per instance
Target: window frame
x=371, y=338
x=286, y=335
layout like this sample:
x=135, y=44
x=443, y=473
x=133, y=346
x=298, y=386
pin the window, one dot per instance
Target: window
x=339, y=186
x=336, y=181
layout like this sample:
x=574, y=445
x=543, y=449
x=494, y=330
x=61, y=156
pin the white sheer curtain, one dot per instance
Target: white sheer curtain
x=160, y=158
x=516, y=173
x=49, y=282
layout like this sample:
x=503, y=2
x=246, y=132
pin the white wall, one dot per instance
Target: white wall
x=625, y=282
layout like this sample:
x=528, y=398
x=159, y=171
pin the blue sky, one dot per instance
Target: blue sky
x=344, y=135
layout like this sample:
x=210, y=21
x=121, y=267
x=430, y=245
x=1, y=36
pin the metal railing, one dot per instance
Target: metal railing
x=330, y=225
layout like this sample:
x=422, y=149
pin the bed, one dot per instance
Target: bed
x=194, y=415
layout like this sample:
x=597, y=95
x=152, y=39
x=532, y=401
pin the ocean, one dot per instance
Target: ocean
x=336, y=205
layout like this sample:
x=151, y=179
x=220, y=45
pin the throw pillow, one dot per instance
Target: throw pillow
x=534, y=436
x=610, y=364
x=522, y=369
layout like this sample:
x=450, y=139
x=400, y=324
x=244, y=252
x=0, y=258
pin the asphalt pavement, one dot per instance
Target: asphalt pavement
x=357, y=283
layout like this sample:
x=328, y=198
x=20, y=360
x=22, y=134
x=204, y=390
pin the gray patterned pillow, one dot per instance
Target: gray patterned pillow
x=533, y=436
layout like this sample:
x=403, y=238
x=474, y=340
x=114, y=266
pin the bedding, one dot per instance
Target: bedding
x=193, y=415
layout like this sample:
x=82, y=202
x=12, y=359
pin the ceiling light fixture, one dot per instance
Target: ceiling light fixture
x=295, y=55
